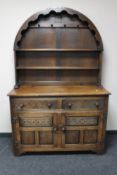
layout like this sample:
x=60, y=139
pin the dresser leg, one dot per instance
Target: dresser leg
x=17, y=152
x=101, y=150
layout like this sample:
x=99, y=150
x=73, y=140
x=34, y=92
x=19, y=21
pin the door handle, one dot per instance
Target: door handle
x=63, y=129
x=54, y=129
x=59, y=129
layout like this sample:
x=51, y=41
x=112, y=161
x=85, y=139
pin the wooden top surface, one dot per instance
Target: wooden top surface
x=78, y=90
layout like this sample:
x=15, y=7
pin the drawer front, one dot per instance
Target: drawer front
x=21, y=104
x=83, y=103
x=78, y=103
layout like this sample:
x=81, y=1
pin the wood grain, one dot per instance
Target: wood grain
x=58, y=90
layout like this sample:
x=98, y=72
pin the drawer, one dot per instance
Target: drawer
x=21, y=104
x=83, y=103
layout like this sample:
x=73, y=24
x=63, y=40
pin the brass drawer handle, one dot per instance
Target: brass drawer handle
x=49, y=105
x=69, y=105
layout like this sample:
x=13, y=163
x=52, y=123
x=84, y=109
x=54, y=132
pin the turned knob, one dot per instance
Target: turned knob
x=97, y=104
x=20, y=106
x=49, y=105
x=63, y=129
x=70, y=105
x=54, y=129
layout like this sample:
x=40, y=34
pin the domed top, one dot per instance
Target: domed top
x=38, y=31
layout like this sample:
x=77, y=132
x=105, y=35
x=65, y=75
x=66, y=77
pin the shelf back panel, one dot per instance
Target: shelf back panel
x=82, y=76
x=58, y=38
x=59, y=59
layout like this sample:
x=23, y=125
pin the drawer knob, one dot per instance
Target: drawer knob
x=97, y=105
x=49, y=105
x=54, y=129
x=70, y=105
x=20, y=106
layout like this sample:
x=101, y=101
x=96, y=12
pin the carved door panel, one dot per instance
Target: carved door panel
x=81, y=128
x=37, y=129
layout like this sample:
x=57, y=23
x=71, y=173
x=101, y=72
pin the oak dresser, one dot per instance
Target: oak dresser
x=58, y=102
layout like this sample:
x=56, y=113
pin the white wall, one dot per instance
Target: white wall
x=14, y=12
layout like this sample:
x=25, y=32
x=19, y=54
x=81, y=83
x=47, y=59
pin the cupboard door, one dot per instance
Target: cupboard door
x=81, y=129
x=36, y=130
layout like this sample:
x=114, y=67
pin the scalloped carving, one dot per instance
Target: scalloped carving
x=58, y=11
x=81, y=121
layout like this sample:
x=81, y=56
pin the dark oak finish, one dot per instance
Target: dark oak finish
x=58, y=103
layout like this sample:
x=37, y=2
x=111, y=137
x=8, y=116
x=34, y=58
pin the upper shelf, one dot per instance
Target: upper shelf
x=63, y=50
x=84, y=35
x=58, y=46
x=54, y=68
